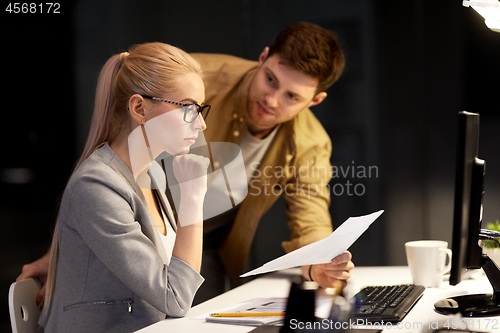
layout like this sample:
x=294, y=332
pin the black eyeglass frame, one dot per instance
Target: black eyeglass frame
x=199, y=108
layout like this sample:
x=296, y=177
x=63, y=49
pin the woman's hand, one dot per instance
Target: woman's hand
x=190, y=170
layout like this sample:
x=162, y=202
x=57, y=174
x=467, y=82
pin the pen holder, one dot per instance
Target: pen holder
x=300, y=311
x=301, y=304
x=340, y=314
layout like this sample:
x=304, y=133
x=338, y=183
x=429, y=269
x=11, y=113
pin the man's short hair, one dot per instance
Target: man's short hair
x=312, y=50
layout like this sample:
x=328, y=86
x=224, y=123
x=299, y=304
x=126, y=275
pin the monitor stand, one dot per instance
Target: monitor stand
x=479, y=305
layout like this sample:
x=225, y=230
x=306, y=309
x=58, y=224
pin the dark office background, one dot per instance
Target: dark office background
x=411, y=66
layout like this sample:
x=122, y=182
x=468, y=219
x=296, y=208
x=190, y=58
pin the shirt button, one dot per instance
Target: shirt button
x=235, y=116
x=236, y=133
x=216, y=165
x=241, y=119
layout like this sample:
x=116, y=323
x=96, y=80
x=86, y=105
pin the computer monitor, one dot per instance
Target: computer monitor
x=467, y=253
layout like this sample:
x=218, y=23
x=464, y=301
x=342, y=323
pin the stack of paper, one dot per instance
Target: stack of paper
x=256, y=305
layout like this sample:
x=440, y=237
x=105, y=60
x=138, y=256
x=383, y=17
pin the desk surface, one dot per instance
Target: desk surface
x=422, y=318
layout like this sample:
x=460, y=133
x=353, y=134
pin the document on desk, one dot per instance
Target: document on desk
x=254, y=306
x=322, y=251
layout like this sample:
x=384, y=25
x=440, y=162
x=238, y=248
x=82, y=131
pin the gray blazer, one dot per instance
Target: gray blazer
x=112, y=271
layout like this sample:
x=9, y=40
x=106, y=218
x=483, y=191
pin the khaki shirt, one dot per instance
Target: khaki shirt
x=296, y=165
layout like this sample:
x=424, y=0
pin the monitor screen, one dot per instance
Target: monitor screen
x=466, y=251
x=468, y=196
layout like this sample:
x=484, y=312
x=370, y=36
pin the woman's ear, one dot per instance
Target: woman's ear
x=136, y=108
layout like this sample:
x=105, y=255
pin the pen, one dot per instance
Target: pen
x=247, y=314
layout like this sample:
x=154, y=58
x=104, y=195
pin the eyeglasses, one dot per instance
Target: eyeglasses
x=191, y=111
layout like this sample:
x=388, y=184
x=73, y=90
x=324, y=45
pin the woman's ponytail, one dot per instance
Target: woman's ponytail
x=101, y=129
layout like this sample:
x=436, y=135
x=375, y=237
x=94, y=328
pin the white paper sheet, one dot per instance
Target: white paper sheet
x=323, y=251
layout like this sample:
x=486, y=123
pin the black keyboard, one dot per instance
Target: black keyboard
x=387, y=303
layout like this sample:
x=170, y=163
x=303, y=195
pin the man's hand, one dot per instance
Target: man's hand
x=38, y=270
x=328, y=275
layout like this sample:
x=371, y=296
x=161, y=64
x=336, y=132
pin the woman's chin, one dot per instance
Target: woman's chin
x=183, y=151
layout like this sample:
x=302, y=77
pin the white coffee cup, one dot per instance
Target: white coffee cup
x=428, y=261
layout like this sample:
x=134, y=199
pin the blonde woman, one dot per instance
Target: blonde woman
x=118, y=262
